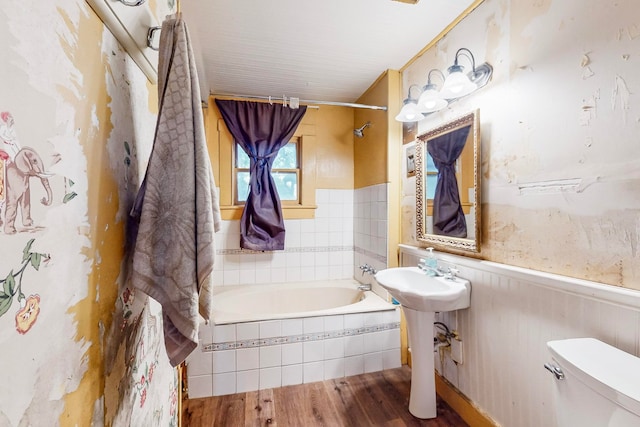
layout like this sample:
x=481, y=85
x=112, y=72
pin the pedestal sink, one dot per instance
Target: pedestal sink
x=421, y=296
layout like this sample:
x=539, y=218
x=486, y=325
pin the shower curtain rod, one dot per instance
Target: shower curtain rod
x=303, y=101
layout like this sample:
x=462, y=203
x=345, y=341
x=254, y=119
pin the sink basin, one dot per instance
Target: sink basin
x=412, y=288
x=421, y=296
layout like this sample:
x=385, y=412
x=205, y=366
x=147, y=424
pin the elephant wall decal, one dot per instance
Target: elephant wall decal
x=26, y=164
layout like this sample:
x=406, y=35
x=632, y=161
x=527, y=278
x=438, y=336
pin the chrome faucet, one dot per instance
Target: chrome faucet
x=366, y=268
x=364, y=287
x=449, y=274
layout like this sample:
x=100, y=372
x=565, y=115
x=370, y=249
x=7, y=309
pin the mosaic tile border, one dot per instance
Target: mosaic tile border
x=318, y=336
x=287, y=250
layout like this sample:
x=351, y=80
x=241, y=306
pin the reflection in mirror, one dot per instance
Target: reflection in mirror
x=448, y=185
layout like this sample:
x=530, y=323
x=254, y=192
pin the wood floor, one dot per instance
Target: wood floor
x=376, y=399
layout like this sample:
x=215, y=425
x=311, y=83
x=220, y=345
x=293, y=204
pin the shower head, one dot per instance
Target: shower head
x=360, y=131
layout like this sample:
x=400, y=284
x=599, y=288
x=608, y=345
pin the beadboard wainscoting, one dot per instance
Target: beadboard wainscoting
x=513, y=313
x=249, y=356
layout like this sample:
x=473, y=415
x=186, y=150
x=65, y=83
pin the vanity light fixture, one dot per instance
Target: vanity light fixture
x=456, y=85
x=410, y=111
x=459, y=84
x=430, y=99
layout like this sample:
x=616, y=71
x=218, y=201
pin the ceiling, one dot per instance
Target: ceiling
x=326, y=50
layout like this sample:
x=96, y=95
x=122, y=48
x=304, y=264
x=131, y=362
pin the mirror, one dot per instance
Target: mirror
x=447, y=163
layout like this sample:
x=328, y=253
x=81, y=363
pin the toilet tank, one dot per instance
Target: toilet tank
x=600, y=387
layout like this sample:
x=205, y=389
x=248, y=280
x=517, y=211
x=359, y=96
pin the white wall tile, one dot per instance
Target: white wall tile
x=333, y=369
x=391, y=359
x=354, y=365
x=205, y=333
x=291, y=327
x=373, y=342
x=270, y=328
x=292, y=375
x=200, y=386
x=247, y=276
x=222, y=384
x=293, y=274
x=292, y=353
x=391, y=316
x=312, y=325
x=373, y=362
x=333, y=348
x=279, y=275
x=308, y=274
x=334, y=323
x=307, y=259
x=231, y=277
x=247, y=358
x=312, y=351
x=353, y=321
x=390, y=339
x=313, y=372
x=270, y=378
x=270, y=356
x=200, y=363
x=224, y=361
x=248, y=331
x=322, y=272
x=373, y=318
x=353, y=345
x=247, y=381
x=224, y=333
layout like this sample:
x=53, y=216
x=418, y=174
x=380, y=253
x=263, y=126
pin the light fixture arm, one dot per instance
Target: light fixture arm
x=409, y=91
x=440, y=73
x=469, y=55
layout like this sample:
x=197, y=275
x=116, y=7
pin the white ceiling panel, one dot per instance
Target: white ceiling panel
x=328, y=50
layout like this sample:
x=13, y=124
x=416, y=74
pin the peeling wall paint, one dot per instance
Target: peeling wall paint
x=560, y=125
x=81, y=103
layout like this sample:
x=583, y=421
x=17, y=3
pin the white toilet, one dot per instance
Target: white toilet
x=596, y=385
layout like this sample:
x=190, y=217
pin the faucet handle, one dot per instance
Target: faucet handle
x=451, y=273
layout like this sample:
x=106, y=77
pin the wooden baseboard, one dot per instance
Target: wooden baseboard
x=461, y=404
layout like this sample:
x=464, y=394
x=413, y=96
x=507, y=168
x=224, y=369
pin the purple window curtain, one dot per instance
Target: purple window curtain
x=448, y=216
x=261, y=129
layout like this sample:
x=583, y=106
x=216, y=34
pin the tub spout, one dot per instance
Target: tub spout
x=365, y=287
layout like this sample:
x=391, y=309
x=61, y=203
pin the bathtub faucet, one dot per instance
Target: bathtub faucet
x=366, y=268
x=364, y=287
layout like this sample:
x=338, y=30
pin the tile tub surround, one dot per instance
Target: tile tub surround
x=243, y=357
x=315, y=249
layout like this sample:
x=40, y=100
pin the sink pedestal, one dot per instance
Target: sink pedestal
x=422, y=400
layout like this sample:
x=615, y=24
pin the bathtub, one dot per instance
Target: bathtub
x=273, y=335
x=249, y=303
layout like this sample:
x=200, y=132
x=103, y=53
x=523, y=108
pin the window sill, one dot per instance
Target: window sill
x=230, y=213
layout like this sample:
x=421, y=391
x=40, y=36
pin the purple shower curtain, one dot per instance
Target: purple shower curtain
x=261, y=129
x=448, y=216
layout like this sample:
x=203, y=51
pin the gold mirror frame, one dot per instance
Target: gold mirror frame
x=442, y=242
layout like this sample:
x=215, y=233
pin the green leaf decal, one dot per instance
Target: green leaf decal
x=71, y=183
x=69, y=196
x=26, y=252
x=5, y=303
x=126, y=148
x=127, y=161
x=35, y=260
x=9, y=285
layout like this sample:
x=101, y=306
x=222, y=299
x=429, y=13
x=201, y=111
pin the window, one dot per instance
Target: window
x=285, y=173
